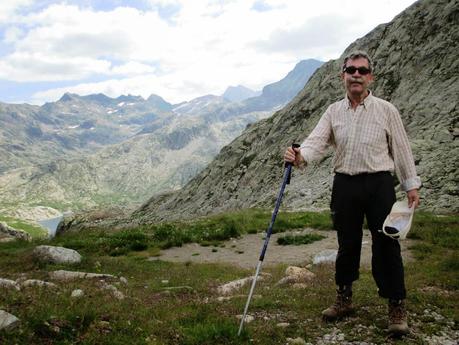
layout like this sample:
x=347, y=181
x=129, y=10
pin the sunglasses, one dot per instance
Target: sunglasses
x=352, y=69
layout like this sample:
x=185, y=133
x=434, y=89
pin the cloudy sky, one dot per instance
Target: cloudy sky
x=178, y=49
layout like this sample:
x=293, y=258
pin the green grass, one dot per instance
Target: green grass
x=35, y=231
x=437, y=249
x=153, y=312
x=232, y=225
x=210, y=231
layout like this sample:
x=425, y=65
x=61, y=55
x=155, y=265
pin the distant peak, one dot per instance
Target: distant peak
x=129, y=97
x=66, y=97
x=239, y=93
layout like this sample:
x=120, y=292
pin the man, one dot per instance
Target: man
x=370, y=142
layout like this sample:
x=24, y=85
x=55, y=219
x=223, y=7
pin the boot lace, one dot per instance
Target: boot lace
x=397, y=313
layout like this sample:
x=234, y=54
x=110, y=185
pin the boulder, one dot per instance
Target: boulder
x=8, y=321
x=57, y=255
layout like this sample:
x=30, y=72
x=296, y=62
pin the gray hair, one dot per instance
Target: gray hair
x=358, y=54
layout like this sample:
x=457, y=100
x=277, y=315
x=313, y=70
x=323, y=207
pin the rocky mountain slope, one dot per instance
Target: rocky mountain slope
x=123, y=150
x=74, y=125
x=416, y=69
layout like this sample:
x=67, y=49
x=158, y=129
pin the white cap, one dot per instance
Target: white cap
x=398, y=221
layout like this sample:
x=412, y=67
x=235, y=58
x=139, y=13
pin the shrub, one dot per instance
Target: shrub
x=299, y=239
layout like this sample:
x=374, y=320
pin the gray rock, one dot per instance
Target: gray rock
x=325, y=257
x=233, y=286
x=9, y=284
x=296, y=275
x=39, y=283
x=114, y=291
x=77, y=293
x=58, y=255
x=64, y=275
x=8, y=321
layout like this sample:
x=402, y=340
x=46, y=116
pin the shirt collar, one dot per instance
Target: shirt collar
x=366, y=101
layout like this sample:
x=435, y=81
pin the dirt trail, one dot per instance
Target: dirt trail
x=245, y=250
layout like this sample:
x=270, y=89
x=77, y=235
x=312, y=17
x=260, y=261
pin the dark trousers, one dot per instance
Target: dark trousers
x=370, y=196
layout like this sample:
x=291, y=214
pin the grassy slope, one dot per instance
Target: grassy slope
x=34, y=230
x=152, y=314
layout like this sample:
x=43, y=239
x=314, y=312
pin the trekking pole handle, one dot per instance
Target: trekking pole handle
x=294, y=146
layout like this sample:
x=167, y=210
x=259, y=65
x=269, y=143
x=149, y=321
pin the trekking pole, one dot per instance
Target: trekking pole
x=287, y=174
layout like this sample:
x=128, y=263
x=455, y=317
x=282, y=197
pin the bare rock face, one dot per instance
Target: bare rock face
x=58, y=255
x=416, y=67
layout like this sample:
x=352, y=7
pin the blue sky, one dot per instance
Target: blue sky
x=178, y=49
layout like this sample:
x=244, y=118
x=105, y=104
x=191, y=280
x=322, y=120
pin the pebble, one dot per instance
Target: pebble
x=77, y=293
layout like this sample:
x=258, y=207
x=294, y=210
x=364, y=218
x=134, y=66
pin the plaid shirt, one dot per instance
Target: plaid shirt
x=369, y=139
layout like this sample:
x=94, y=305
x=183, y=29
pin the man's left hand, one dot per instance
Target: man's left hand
x=413, y=196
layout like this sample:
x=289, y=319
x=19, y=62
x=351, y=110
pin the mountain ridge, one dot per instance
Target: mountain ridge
x=124, y=149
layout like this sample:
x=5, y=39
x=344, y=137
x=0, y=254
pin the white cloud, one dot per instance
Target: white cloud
x=8, y=8
x=24, y=67
x=204, y=47
x=132, y=68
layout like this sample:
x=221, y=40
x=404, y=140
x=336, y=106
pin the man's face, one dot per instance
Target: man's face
x=355, y=82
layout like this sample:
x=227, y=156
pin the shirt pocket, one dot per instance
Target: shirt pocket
x=373, y=134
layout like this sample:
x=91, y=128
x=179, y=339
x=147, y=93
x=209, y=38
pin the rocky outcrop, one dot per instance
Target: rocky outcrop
x=16, y=233
x=415, y=68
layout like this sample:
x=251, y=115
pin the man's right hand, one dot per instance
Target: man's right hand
x=293, y=155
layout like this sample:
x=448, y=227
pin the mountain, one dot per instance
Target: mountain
x=239, y=93
x=72, y=126
x=121, y=150
x=284, y=90
x=416, y=68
